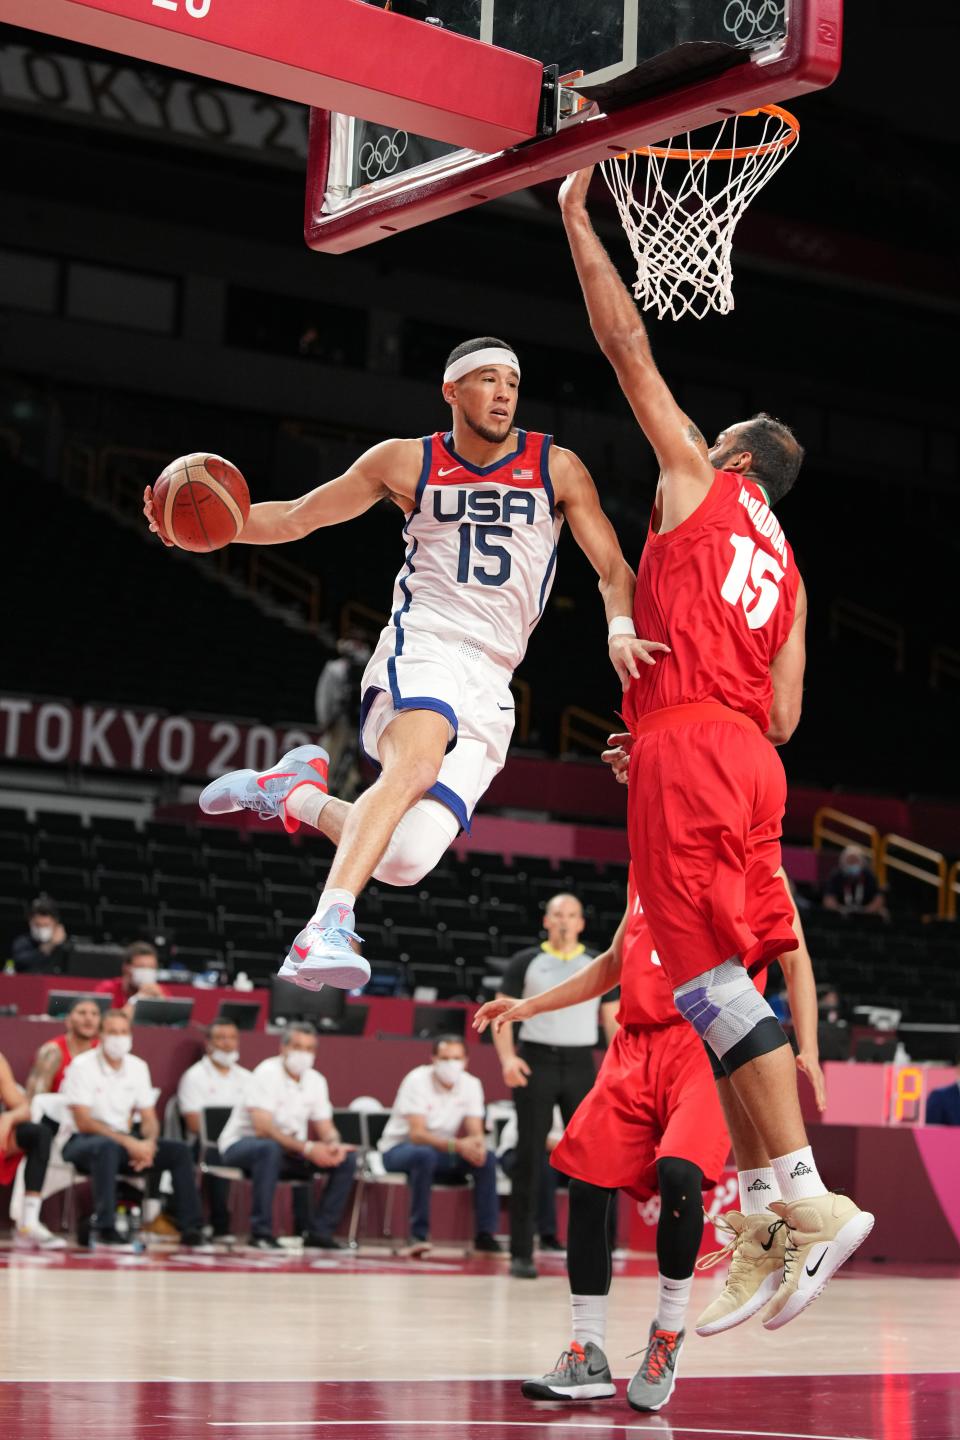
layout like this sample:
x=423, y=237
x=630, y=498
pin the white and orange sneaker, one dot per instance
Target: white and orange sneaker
x=267, y=791
x=756, y=1250
x=822, y=1233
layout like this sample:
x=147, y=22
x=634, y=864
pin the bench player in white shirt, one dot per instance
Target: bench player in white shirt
x=484, y=505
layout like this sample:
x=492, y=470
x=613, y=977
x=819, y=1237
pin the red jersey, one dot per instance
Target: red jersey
x=118, y=996
x=646, y=995
x=720, y=590
x=65, y=1058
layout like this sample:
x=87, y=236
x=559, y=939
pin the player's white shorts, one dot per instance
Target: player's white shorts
x=453, y=676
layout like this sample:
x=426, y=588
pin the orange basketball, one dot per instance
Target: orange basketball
x=201, y=502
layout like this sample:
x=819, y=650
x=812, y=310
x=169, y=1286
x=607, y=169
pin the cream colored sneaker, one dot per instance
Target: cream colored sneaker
x=821, y=1234
x=756, y=1252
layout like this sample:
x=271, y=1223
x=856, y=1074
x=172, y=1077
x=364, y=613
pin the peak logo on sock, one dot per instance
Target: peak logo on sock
x=758, y=1184
x=800, y=1169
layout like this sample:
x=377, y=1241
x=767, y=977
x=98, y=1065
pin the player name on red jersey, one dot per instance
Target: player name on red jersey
x=764, y=522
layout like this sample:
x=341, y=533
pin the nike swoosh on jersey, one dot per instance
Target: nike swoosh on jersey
x=451, y=471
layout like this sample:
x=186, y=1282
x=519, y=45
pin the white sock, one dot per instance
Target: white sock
x=797, y=1175
x=758, y=1188
x=333, y=897
x=589, y=1316
x=31, y=1212
x=673, y=1297
x=305, y=804
x=151, y=1209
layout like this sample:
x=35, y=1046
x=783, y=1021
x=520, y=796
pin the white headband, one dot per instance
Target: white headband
x=479, y=360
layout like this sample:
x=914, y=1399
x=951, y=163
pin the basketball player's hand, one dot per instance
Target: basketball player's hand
x=148, y=510
x=573, y=191
x=810, y=1066
x=627, y=654
x=516, y=1073
x=497, y=1012
x=618, y=756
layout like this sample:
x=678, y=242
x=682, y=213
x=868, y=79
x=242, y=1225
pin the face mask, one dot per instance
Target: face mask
x=851, y=867
x=143, y=976
x=449, y=1071
x=298, y=1062
x=115, y=1047
x=224, y=1057
x=41, y=933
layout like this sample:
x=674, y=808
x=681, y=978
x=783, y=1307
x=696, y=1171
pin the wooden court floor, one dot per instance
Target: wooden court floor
x=203, y=1345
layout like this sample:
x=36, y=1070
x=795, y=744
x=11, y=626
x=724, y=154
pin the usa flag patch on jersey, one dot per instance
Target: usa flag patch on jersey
x=523, y=474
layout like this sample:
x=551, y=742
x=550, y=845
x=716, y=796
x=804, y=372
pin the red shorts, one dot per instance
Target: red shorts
x=704, y=815
x=654, y=1095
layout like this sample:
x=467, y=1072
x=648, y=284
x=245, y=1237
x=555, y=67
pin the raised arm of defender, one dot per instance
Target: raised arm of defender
x=597, y=978
x=388, y=470
x=686, y=472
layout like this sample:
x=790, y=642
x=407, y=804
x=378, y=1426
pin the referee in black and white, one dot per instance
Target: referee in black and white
x=554, y=1062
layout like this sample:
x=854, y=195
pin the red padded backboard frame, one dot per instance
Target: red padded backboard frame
x=810, y=61
x=340, y=54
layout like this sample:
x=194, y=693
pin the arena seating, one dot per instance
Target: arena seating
x=230, y=899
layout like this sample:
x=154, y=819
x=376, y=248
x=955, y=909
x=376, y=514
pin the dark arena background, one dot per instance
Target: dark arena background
x=157, y=299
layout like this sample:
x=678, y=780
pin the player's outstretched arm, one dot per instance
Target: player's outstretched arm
x=786, y=672
x=621, y=334
x=601, y=975
x=392, y=467
x=577, y=495
x=797, y=970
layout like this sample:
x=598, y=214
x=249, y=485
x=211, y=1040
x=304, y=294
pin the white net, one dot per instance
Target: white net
x=680, y=202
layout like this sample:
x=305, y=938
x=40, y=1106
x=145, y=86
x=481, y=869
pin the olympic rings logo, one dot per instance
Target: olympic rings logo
x=745, y=23
x=381, y=157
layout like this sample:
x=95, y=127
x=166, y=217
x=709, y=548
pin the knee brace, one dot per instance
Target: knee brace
x=424, y=834
x=730, y=1015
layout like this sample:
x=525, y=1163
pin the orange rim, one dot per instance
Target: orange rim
x=742, y=152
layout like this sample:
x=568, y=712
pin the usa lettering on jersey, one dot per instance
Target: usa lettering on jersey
x=485, y=507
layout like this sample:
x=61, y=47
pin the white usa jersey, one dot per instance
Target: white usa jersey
x=481, y=548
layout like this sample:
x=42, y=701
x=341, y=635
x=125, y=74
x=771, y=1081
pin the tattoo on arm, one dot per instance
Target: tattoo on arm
x=694, y=434
x=44, y=1069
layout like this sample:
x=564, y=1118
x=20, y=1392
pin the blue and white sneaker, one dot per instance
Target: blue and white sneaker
x=266, y=791
x=322, y=954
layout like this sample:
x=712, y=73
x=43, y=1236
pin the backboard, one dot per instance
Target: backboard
x=650, y=69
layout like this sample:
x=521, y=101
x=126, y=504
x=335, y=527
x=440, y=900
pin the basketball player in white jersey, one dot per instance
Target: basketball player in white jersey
x=484, y=505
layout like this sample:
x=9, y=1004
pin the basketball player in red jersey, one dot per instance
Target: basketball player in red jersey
x=81, y=1033
x=652, y=1121
x=484, y=504
x=719, y=585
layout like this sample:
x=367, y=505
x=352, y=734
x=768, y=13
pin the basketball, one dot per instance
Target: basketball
x=201, y=502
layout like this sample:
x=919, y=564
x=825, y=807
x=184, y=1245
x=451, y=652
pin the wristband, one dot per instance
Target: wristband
x=451, y=1147
x=621, y=625
x=307, y=1147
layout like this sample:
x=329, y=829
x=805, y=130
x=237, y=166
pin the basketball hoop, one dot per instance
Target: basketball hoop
x=680, y=203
